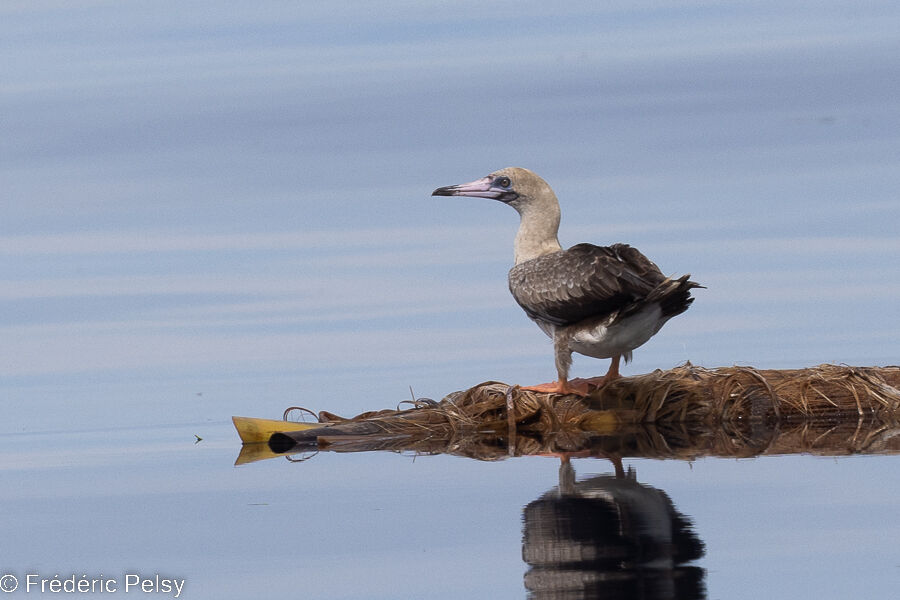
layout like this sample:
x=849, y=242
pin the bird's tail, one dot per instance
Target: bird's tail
x=674, y=295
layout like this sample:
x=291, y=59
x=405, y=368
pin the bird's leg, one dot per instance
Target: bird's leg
x=616, y=460
x=566, y=476
x=563, y=358
x=560, y=386
x=563, y=362
x=611, y=375
x=613, y=372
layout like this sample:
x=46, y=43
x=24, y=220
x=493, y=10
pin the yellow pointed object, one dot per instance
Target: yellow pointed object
x=260, y=430
x=254, y=452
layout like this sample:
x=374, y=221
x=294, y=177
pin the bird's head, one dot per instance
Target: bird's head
x=515, y=186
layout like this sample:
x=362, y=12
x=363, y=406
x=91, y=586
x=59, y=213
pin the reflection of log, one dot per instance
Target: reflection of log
x=682, y=413
x=678, y=441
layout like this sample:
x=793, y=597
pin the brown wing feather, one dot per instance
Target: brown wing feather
x=584, y=281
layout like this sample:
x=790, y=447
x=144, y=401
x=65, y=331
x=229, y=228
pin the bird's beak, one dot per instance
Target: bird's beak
x=480, y=188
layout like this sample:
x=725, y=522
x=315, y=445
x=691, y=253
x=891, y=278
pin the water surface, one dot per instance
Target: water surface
x=211, y=211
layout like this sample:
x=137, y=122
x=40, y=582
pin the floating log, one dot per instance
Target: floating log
x=688, y=407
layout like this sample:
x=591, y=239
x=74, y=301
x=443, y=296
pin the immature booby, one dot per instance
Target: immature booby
x=600, y=301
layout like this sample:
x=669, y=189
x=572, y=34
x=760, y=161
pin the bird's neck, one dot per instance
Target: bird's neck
x=537, y=233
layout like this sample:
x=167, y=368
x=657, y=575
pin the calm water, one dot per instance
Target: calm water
x=147, y=500
x=209, y=212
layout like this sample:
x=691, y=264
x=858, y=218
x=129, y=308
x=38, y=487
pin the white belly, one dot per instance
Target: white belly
x=616, y=337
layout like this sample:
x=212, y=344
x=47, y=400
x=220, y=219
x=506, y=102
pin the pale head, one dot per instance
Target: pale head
x=530, y=195
x=515, y=186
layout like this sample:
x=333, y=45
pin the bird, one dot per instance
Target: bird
x=598, y=301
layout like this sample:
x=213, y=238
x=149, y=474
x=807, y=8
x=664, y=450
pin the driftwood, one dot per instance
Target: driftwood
x=684, y=412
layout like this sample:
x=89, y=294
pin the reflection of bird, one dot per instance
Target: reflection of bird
x=610, y=537
x=600, y=301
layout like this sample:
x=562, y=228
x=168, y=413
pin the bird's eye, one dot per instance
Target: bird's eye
x=503, y=181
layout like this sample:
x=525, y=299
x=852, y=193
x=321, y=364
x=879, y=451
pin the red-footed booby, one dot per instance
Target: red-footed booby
x=600, y=301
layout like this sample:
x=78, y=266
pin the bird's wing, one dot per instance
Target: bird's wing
x=568, y=286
